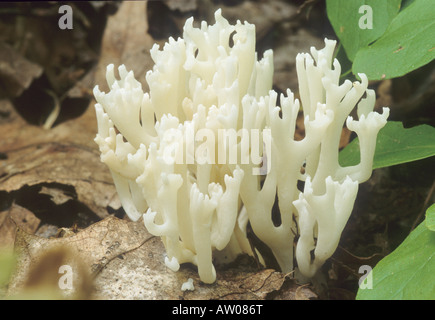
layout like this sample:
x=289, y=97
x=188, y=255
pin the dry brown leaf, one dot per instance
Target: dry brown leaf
x=142, y=274
x=304, y=293
x=265, y=15
x=92, y=247
x=284, y=56
x=128, y=263
x=291, y=290
x=126, y=41
x=66, y=154
x=182, y=5
x=58, y=196
x=13, y=217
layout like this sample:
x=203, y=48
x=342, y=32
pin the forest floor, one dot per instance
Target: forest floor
x=54, y=188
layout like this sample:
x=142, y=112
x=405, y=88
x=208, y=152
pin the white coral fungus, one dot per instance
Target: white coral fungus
x=189, y=155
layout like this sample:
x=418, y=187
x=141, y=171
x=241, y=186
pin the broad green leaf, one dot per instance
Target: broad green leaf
x=407, y=44
x=395, y=145
x=430, y=218
x=408, y=272
x=350, y=19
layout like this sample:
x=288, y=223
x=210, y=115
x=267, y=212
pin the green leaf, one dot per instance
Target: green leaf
x=407, y=273
x=407, y=44
x=346, y=17
x=394, y=145
x=430, y=218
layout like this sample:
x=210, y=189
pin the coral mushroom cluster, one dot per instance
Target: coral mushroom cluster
x=211, y=148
